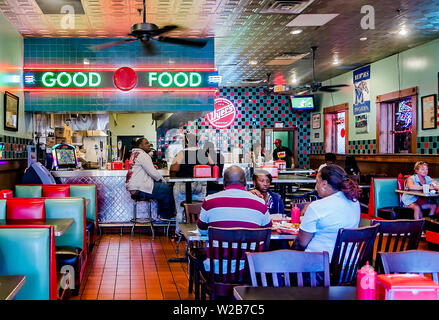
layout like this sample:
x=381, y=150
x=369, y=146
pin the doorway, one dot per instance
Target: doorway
x=125, y=151
x=288, y=137
x=336, y=128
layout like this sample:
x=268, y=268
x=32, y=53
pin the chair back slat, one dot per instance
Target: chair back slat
x=263, y=279
x=411, y=261
x=403, y=233
x=289, y=268
x=227, y=253
x=360, y=242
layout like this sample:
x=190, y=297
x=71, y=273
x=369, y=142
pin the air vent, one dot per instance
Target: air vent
x=286, y=59
x=60, y=6
x=286, y=7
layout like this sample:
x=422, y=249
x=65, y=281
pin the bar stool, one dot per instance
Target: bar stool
x=142, y=221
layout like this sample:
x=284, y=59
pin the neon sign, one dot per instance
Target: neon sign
x=113, y=79
x=224, y=114
x=70, y=79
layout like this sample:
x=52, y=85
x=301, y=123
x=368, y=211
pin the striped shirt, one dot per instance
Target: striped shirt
x=235, y=207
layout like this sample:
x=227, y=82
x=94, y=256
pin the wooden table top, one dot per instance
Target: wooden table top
x=417, y=193
x=187, y=228
x=60, y=225
x=10, y=285
x=295, y=293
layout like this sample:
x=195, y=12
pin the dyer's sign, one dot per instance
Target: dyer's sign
x=159, y=79
x=224, y=114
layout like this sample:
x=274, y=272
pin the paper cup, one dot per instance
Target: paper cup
x=426, y=188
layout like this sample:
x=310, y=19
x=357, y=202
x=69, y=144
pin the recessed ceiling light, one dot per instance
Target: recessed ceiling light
x=403, y=32
x=363, y=39
x=297, y=31
x=253, y=62
x=336, y=62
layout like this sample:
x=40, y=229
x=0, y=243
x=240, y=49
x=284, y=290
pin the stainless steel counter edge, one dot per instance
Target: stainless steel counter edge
x=96, y=173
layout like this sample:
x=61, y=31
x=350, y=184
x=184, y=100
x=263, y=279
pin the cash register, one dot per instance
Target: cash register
x=64, y=157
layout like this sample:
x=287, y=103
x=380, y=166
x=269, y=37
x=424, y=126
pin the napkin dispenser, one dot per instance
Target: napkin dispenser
x=271, y=169
x=406, y=287
x=202, y=171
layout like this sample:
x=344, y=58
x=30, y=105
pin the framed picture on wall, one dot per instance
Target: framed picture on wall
x=361, y=123
x=11, y=112
x=316, y=121
x=429, y=112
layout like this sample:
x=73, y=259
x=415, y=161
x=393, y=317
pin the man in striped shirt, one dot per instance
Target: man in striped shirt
x=235, y=207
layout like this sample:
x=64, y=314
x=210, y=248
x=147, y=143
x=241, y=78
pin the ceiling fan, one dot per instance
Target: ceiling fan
x=316, y=86
x=145, y=32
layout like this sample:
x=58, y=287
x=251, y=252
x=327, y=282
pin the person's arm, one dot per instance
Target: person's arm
x=411, y=185
x=147, y=165
x=203, y=220
x=302, y=240
x=175, y=166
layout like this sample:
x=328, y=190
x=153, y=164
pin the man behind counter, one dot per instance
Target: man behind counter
x=283, y=153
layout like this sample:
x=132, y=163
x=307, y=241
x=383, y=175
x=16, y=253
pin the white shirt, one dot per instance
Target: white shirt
x=325, y=217
x=142, y=174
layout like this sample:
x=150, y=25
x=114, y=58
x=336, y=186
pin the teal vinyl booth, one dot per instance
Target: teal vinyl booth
x=87, y=191
x=71, y=247
x=30, y=251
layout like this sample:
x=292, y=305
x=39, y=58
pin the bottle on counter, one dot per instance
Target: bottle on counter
x=295, y=214
x=366, y=283
x=215, y=172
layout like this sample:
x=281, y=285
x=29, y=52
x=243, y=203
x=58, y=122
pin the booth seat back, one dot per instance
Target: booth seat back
x=30, y=251
x=87, y=191
x=58, y=208
x=30, y=208
x=384, y=193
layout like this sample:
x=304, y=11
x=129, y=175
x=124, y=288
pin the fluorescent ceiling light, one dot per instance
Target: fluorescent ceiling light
x=311, y=20
x=297, y=31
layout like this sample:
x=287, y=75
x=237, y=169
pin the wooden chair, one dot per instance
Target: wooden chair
x=397, y=235
x=353, y=248
x=195, y=249
x=278, y=265
x=227, y=247
x=411, y=261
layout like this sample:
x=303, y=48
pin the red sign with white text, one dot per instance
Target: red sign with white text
x=224, y=114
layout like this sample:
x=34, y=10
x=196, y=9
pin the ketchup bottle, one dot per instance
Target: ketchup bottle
x=366, y=283
x=215, y=171
x=295, y=214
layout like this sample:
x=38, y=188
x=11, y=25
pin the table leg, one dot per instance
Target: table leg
x=188, y=192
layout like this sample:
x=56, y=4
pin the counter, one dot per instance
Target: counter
x=114, y=201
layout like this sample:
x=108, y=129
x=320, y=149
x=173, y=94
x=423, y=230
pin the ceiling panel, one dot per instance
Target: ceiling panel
x=243, y=32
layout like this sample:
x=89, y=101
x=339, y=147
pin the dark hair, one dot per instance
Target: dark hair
x=338, y=180
x=351, y=165
x=259, y=172
x=330, y=157
x=136, y=142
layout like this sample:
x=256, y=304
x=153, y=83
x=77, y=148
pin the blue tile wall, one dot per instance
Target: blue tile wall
x=73, y=51
x=255, y=110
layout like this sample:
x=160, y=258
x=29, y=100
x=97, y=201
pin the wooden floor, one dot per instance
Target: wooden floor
x=121, y=269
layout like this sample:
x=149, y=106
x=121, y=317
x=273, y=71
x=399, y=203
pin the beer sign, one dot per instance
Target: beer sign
x=224, y=114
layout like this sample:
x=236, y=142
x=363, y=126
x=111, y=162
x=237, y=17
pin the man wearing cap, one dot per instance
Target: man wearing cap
x=283, y=153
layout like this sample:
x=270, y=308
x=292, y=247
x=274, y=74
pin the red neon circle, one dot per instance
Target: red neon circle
x=125, y=78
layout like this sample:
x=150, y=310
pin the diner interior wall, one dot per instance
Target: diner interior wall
x=11, y=79
x=75, y=51
x=418, y=67
x=132, y=124
x=255, y=110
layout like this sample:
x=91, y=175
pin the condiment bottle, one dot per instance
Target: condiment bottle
x=295, y=214
x=366, y=283
x=215, y=171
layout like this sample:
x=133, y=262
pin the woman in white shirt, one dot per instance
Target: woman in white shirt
x=338, y=208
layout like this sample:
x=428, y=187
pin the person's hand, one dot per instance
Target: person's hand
x=156, y=167
x=257, y=193
x=304, y=208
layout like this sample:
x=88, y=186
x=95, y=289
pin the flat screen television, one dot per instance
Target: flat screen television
x=302, y=103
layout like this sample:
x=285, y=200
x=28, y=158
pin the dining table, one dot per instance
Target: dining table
x=10, y=285
x=60, y=225
x=297, y=171
x=418, y=193
x=295, y=293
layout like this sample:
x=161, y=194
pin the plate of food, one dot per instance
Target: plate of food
x=286, y=227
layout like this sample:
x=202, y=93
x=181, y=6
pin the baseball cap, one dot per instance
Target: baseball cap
x=278, y=141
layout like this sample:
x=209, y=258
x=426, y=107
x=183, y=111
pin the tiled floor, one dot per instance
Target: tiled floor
x=121, y=269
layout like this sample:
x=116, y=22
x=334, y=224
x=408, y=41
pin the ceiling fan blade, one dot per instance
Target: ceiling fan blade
x=148, y=47
x=164, y=29
x=332, y=88
x=185, y=42
x=110, y=44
